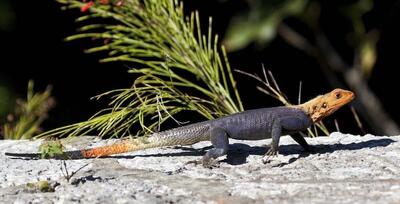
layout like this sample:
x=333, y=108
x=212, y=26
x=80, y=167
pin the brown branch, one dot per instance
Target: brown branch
x=366, y=103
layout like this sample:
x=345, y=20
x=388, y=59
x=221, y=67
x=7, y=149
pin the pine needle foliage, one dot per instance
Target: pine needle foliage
x=178, y=68
x=29, y=114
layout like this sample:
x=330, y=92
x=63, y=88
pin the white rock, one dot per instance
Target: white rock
x=345, y=169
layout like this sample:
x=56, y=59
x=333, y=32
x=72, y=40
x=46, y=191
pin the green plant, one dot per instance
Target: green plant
x=41, y=186
x=25, y=122
x=177, y=67
x=260, y=22
x=52, y=149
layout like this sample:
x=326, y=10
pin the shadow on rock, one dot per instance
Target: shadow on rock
x=187, y=151
x=322, y=149
x=238, y=152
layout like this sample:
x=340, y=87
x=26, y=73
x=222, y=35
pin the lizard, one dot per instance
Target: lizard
x=256, y=124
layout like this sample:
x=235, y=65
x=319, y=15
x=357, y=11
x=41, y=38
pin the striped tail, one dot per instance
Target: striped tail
x=185, y=135
x=179, y=136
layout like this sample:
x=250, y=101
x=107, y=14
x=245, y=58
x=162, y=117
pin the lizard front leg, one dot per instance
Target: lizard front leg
x=296, y=124
x=274, y=146
x=302, y=142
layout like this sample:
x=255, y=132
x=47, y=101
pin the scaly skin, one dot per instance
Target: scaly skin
x=254, y=124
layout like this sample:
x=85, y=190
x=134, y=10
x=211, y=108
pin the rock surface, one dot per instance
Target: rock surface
x=344, y=169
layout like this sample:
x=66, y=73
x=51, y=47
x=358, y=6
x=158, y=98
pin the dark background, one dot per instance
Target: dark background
x=33, y=48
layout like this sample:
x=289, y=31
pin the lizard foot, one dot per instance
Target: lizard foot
x=270, y=153
x=195, y=162
x=210, y=163
x=207, y=163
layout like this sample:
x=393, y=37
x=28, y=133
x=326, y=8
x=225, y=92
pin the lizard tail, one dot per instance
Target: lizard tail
x=123, y=147
x=103, y=151
x=179, y=136
x=155, y=140
x=29, y=155
x=65, y=155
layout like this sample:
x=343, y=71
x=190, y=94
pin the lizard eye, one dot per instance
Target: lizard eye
x=324, y=105
x=338, y=95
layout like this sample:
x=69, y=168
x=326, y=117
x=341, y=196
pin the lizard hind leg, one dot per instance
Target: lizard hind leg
x=219, y=139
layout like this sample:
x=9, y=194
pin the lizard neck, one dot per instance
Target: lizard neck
x=310, y=110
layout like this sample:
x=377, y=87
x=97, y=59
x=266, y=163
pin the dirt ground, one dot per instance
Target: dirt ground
x=344, y=169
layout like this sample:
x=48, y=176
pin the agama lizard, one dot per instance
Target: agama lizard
x=254, y=124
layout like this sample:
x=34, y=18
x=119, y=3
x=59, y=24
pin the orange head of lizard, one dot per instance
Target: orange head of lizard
x=324, y=105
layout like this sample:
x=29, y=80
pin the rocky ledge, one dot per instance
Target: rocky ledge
x=344, y=169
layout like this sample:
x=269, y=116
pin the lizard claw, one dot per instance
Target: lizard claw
x=210, y=163
x=207, y=163
x=195, y=162
x=272, y=152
